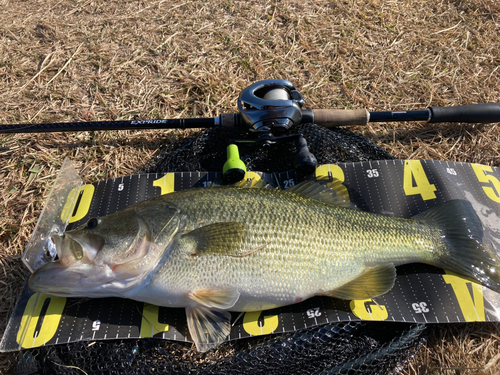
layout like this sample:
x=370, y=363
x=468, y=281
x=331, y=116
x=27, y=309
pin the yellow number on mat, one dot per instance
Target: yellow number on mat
x=165, y=183
x=326, y=171
x=367, y=310
x=415, y=172
x=87, y=192
x=27, y=330
x=251, y=323
x=251, y=177
x=491, y=192
x=472, y=309
x=150, y=325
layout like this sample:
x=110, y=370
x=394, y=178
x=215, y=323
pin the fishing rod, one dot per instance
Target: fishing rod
x=275, y=105
x=267, y=111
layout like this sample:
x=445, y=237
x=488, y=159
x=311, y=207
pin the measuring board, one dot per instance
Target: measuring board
x=399, y=188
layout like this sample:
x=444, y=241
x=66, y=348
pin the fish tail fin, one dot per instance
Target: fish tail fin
x=462, y=232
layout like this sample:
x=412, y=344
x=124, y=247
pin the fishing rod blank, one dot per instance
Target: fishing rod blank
x=110, y=125
x=330, y=118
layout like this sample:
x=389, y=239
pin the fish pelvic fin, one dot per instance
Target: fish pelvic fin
x=462, y=232
x=208, y=322
x=208, y=327
x=219, y=299
x=372, y=283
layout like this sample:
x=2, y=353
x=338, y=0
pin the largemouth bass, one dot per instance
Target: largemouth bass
x=220, y=249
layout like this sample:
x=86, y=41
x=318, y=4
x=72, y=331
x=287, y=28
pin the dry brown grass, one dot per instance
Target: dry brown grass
x=64, y=60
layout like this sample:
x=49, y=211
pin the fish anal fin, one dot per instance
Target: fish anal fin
x=208, y=327
x=218, y=239
x=219, y=299
x=372, y=283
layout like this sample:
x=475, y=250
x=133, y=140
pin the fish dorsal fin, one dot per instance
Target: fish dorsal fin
x=208, y=327
x=254, y=183
x=374, y=282
x=218, y=239
x=327, y=191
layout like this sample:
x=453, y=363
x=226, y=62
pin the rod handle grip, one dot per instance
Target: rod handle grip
x=330, y=118
x=483, y=113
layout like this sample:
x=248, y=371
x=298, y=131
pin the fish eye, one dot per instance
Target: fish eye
x=92, y=223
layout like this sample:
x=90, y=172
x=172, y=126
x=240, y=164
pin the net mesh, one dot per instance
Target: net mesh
x=342, y=348
x=207, y=151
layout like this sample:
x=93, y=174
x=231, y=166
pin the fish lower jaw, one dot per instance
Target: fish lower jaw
x=76, y=284
x=106, y=290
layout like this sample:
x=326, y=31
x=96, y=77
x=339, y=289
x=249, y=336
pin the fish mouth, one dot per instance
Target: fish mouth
x=81, y=280
x=75, y=273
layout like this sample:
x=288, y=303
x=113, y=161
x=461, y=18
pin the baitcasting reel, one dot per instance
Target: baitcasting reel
x=268, y=109
x=273, y=105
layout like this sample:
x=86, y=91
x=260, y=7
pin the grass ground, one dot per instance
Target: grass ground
x=63, y=60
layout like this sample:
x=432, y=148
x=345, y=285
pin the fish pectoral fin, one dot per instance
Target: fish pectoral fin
x=219, y=299
x=372, y=283
x=208, y=327
x=218, y=239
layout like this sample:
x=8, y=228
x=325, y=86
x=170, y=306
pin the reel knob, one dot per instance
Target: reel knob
x=234, y=169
